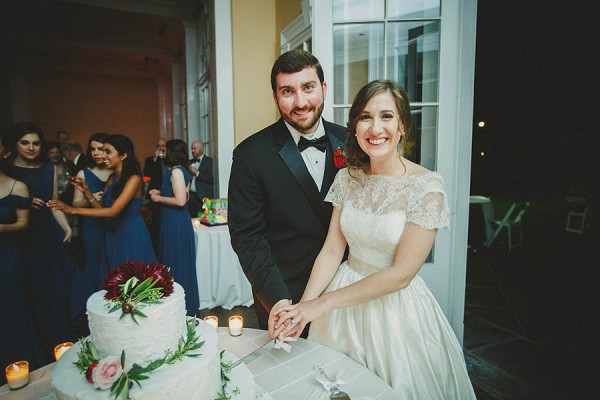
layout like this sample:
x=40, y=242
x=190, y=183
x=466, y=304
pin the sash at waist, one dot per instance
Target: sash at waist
x=361, y=267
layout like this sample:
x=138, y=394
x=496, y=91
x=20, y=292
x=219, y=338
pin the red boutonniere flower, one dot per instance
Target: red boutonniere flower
x=339, y=158
x=146, y=179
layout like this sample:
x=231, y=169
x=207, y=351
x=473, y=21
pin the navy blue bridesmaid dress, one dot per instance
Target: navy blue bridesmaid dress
x=54, y=283
x=126, y=235
x=177, y=245
x=18, y=339
x=92, y=238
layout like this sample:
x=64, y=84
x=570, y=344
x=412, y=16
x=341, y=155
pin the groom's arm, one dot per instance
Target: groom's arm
x=247, y=226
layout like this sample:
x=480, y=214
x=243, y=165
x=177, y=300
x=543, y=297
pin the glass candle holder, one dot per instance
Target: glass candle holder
x=61, y=348
x=212, y=320
x=17, y=375
x=236, y=325
x=196, y=223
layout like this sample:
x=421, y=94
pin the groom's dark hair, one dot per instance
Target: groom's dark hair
x=295, y=61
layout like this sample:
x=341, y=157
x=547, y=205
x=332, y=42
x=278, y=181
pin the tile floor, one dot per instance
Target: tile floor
x=531, y=316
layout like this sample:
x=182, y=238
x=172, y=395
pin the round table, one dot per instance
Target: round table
x=283, y=375
x=221, y=280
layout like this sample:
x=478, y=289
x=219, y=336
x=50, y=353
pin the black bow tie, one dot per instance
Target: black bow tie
x=195, y=160
x=320, y=143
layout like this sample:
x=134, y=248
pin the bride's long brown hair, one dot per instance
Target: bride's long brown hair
x=356, y=158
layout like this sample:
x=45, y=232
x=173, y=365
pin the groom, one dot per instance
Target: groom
x=280, y=175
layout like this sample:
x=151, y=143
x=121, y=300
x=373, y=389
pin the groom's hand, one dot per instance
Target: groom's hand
x=274, y=315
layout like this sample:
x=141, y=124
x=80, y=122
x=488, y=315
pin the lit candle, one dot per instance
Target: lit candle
x=61, y=348
x=212, y=320
x=17, y=374
x=196, y=223
x=236, y=323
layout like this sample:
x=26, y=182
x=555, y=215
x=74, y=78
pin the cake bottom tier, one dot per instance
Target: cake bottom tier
x=192, y=378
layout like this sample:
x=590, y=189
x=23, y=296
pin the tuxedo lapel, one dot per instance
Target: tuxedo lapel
x=291, y=156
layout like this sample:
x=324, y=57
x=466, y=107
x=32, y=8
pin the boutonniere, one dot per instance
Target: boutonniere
x=339, y=158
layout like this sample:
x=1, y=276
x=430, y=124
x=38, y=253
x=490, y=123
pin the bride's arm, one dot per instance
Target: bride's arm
x=411, y=252
x=328, y=260
x=323, y=270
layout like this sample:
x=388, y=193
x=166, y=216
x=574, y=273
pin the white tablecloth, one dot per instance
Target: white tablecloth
x=282, y=375
x=221, y=281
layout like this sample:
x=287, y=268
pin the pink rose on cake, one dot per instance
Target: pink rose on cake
x=107, y=372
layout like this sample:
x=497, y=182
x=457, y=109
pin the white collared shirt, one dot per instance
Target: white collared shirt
x=195, y=164
x=313, y=158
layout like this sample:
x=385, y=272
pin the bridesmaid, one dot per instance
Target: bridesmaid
x=94, y=177
x=126, y=234
x=177, y=245
x=18, y=340
x=51, y=274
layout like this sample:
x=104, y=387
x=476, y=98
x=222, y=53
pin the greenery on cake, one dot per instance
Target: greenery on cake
x=132, y=285
x=225, y=370
x=114, y=373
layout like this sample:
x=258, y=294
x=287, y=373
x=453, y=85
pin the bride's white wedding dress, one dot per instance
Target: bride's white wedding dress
x=403, y=337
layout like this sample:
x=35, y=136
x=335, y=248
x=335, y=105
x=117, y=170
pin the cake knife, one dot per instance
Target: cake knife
x=254, y=355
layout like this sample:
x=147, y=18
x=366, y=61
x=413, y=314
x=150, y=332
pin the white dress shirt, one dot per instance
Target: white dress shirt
x=195, y=164
x=313, y=158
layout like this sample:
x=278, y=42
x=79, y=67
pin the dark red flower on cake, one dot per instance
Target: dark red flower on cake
x=339, y=158
x=88, y=372
x=140, y=270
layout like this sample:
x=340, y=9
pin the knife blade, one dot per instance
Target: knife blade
x=254, y=355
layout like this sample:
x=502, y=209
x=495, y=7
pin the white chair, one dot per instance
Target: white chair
x=576, y=218
x=512, y=223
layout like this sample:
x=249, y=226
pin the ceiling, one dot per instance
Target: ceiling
x=102, y=36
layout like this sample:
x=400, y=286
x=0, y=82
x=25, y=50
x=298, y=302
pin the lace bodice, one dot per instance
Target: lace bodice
x=375, y=209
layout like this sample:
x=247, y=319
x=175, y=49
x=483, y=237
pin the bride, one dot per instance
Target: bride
x=374, y=307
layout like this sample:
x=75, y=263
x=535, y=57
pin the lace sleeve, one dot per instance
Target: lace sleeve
x=337, y=191
x=429, y=207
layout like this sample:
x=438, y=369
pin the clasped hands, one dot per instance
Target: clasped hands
x=154, y=195
x=289, y=320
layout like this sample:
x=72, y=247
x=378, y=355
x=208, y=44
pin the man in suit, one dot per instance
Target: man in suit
x=155, y=168
x=277, y=217
x=74, y=162
x=202, y=180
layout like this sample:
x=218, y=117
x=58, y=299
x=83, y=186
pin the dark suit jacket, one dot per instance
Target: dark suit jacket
x=72, y=170
x=155, y=170
x=205, y=179
x=277, y=217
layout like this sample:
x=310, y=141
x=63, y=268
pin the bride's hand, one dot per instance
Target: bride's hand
x=274, y=315
x=294, y=318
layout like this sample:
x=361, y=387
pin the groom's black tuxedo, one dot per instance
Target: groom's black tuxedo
x=277, y=217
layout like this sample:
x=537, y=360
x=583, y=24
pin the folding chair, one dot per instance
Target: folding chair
x=512, y=223
x=576, y=218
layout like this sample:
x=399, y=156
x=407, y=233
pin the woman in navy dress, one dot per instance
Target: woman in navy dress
x=94, y=176
x=126, y=235
x=52, y=275
x=177, y=245
x=18, y=340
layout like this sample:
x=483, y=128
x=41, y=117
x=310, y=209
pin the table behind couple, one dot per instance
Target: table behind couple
x=221, y=280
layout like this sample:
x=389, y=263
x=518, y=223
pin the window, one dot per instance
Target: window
x=390, y=39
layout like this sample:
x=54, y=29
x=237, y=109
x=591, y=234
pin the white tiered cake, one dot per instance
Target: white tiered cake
x=197, y=378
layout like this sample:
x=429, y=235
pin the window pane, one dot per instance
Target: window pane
x=413, y=58
x=352, y=10
x=340, y=116
x=422, y=140
x=358, y=58
x=413, y=9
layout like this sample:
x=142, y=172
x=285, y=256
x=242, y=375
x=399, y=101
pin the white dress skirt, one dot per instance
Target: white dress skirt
x=403, y=337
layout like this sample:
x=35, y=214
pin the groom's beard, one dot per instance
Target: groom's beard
x=304, y=126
